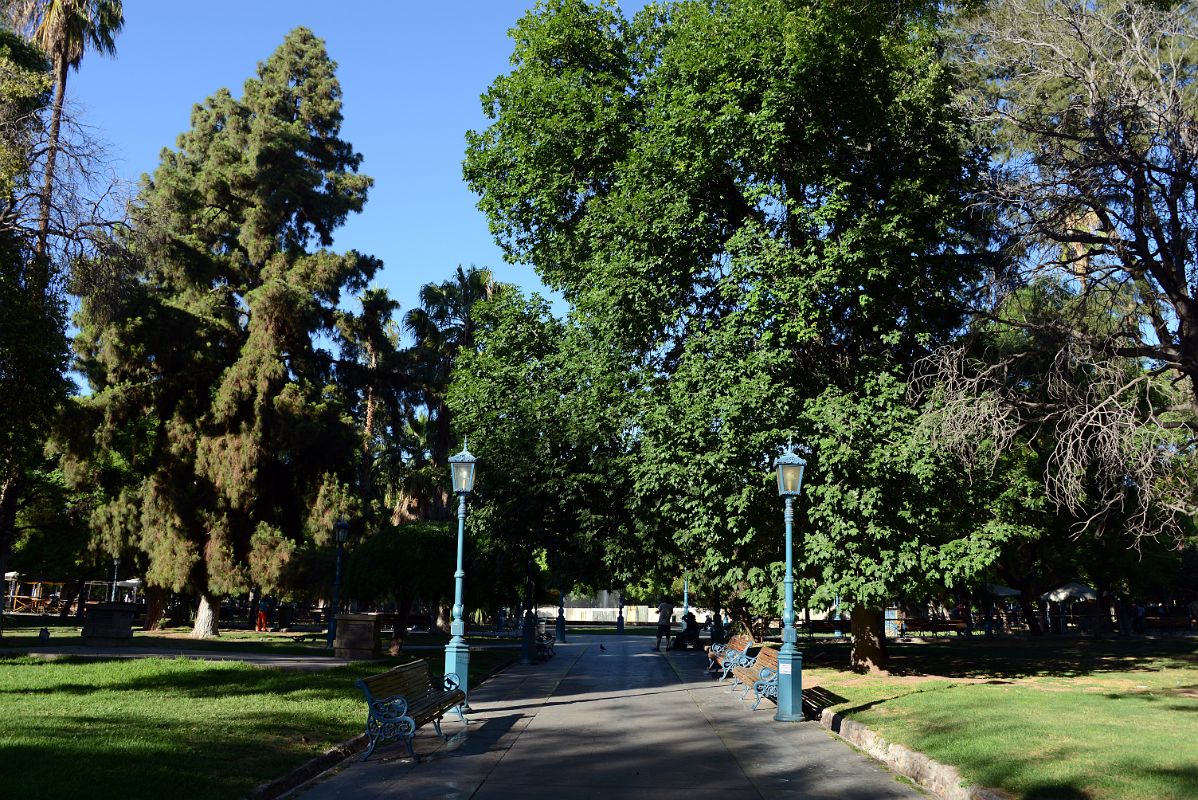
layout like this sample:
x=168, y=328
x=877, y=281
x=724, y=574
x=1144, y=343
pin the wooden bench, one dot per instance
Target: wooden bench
x=766, y=684
x=402, y=699
x=723, y=657
x=933, y=626
x=545, y=642
x=1172, y=622
x=751, y=671
x=839, y=627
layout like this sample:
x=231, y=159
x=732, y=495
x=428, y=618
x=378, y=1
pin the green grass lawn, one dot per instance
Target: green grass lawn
x=21, y=631
x=122, y=728
x=1070, y=720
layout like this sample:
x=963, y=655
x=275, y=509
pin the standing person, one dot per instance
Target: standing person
x=263, y=614
x=665, y=614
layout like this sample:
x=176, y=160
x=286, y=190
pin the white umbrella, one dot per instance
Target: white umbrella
x=132, y=583
x=1070, y=591
x=11, y=576
x=998, y=590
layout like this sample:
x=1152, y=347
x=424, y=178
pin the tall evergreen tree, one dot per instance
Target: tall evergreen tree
x=209, y=385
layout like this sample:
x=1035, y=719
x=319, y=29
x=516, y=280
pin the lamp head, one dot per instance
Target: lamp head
x=790, y=466
x=341, y=531
x=461, y=470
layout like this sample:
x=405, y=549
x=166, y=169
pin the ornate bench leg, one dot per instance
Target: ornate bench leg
x=437, y=725
x=370, y=748
x=461, y=715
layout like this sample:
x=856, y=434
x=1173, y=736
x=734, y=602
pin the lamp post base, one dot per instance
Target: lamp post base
x=790, y=685
x=528, y=639
x=457, y=661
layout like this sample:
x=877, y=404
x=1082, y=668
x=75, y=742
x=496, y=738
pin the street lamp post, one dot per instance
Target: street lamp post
x=790, y=661
x=528, y=626
x=457, y=653
x=341, y=534
x=620, y=616
x=116, y=565
x=560, y=631
x=686, y=609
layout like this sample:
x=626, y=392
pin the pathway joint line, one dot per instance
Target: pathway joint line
x=719, y=734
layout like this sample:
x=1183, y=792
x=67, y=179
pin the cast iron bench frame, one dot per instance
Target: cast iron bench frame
x=402, y=699
x=723, y=657
x=545, y=642
x=766, y=684
x=760, y=669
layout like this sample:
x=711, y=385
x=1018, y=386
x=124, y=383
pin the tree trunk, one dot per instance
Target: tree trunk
x=365, y=477
x=1029, y=616
x=72, y=594
x=207, y=624
x=43, y=222
x=403, y=610
x=156, y=599
x=9, y=490
x=1102, y=606
x=869, y=640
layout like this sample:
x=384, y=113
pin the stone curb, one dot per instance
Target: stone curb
x=332, y=758
x=310, y=770
x=940, y=779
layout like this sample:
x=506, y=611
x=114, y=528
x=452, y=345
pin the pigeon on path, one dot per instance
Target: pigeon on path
x=601, y=647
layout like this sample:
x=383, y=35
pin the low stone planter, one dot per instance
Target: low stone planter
x=109, y=625
x=359, y=635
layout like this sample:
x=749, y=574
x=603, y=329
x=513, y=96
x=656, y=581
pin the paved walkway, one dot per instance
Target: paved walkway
x=625, y=723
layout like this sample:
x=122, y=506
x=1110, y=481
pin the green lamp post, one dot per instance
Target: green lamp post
x=457, y=652
x=790, y=661
x=341, y=534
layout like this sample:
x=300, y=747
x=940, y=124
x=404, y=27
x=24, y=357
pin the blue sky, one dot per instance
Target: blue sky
x=411, y=74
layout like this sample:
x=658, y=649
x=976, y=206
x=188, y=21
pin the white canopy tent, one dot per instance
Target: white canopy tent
x=998, y=590
x=1070, y=591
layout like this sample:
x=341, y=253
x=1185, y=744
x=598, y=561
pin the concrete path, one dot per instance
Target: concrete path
x=625, y=723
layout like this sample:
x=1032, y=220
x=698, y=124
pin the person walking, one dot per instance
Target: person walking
x=665, y=614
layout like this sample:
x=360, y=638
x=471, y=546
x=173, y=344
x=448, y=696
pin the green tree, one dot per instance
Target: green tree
x=443, y=327
x=1079, y=456
x=1094, y=182
x=210, y=387
x=64, y=30
x=373, y=365
x=33, y=343
x=402, y=564
x=749, y=202
x=548, y=490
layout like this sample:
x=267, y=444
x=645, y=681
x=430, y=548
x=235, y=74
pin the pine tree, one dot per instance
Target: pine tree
x=209, y=382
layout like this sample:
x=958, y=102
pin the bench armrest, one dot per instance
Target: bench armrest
x=451, y=681
x=766, y=675
x=388, y=709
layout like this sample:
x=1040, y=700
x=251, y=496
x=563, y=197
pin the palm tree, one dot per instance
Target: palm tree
x=65, y=30
x=442, y=327
x=375, y=368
